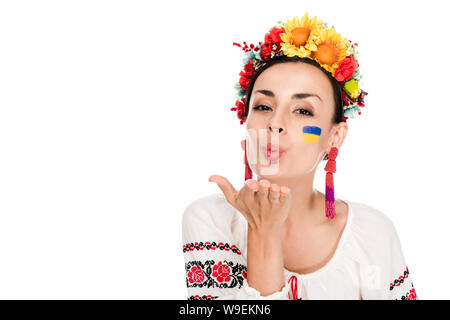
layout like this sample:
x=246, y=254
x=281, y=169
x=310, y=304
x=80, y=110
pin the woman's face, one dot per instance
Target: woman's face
x=297, y=98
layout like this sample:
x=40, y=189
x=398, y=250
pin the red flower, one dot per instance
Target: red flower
x=196, y=274
x=346, y=69
x=246, y=75
x=266, y=49
x=249, y=69
x=244, y=81
x=244, y=274
x=273, y=37
x=270, y=39
x=412, y=294
x=221, y=272
x=240, y=108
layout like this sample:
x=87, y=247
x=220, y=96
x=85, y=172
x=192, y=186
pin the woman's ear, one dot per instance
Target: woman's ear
x=338, y=136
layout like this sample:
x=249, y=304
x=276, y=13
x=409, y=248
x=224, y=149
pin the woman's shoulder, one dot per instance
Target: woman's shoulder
x=369, y=220
x=369, y=236
x=375, y=245
x=212, y=209
x=211, y=219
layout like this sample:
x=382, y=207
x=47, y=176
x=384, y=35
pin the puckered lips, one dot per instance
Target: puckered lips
x=272, y=152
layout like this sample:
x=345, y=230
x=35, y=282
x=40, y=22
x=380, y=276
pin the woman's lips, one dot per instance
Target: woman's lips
x=272, y=152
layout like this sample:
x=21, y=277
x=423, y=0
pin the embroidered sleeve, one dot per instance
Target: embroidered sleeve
x=400, y=284
x=214, y=265
x=406, y=290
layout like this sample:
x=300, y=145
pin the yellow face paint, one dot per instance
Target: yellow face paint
x=311, y=134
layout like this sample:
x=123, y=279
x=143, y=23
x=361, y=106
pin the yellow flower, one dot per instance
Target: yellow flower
x=351, y=87
x=300, y=36
x=331, y=49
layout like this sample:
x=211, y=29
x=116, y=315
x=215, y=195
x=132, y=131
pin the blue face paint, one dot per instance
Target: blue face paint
x=312, y=129
x=311, y=134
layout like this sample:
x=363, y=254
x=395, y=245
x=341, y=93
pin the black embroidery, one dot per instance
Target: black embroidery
x=210, y=246
x=410, y=295
x=204, y=297
x=211, y=274
x=400, y=279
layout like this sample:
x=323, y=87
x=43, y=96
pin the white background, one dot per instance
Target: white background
x=113, y=114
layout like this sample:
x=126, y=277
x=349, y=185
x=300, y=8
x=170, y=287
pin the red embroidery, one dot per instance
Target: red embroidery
x=196, y=274
x=412, y=294
x=210, y=246
x=210, y=273
x=400, y=279
x=294, y=289
x=221, y=272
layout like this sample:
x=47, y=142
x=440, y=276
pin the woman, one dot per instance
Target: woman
x=271, y=239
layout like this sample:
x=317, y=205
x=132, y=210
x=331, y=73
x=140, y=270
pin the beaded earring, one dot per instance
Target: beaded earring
x=330, y=210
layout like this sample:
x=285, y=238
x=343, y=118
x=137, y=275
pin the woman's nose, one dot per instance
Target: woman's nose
x=275, y=130
x=277, y=122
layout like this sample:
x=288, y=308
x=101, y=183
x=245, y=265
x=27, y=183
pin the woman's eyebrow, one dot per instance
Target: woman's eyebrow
x=294, y=96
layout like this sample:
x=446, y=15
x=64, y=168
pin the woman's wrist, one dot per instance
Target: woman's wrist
x=265, y=244
x=265, y=260
x=272, y=232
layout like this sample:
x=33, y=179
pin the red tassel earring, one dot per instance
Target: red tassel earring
x=330, y=210
x=248, y=170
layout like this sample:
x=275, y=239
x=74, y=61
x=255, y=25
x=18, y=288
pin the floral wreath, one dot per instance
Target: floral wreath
x=306, y=38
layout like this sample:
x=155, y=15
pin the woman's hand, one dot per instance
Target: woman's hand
x=264, y=205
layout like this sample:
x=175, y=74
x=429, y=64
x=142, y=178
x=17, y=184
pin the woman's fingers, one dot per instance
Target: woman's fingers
x=248, y=192
x=274, y=193
x=263, y=193
x=261, y=202
x=253, y=185
x=227, y=188
x=234, y=197
x=285, y=194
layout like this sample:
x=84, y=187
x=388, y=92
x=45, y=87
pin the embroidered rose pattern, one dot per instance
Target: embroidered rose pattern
x=221, y=272
x=412, y=294
x=196, y=274
x=210, y=273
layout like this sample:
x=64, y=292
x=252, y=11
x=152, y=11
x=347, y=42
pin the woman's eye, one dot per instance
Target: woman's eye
x=264, y=107
x=304, y=112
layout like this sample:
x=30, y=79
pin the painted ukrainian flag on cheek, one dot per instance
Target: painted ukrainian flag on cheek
x=311, y=134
